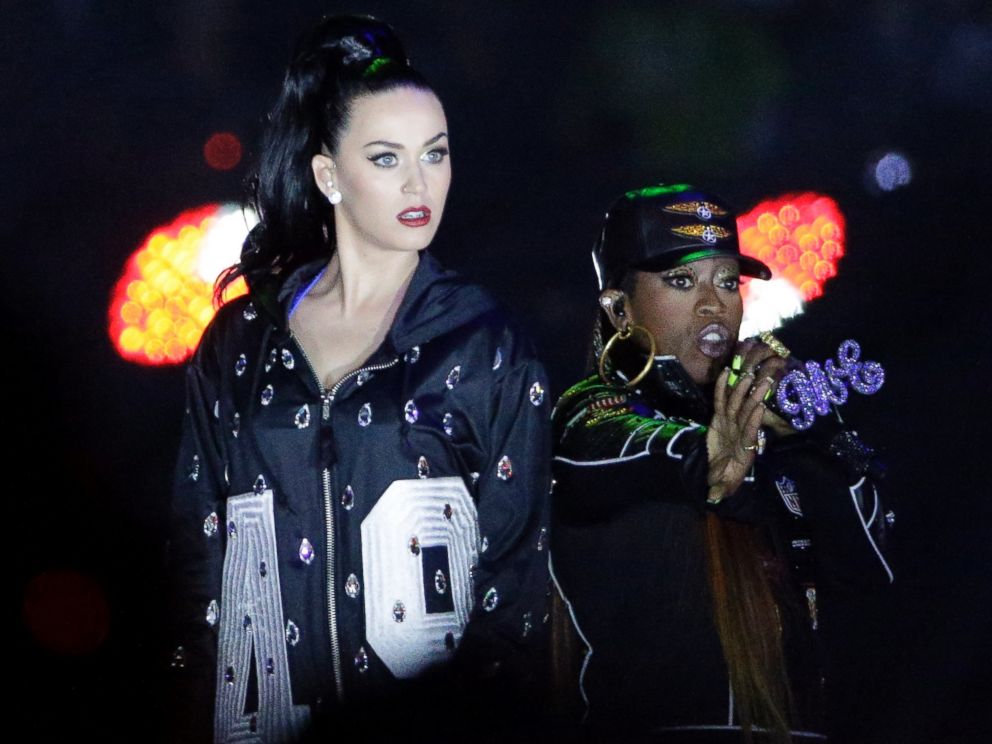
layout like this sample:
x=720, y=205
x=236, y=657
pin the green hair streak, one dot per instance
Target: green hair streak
x=377, y=64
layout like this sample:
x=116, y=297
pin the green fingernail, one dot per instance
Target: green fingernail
x=768, y=393
x=737, y=362
x=732, y=378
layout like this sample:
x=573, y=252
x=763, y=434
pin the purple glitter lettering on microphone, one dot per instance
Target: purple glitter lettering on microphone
x=811, y=394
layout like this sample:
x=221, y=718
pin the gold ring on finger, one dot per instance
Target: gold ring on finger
x=769, y=340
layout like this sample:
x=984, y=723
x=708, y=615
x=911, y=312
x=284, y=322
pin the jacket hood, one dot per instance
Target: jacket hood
x=436, y=301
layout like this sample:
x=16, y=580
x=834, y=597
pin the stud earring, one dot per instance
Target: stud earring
x=333, y=195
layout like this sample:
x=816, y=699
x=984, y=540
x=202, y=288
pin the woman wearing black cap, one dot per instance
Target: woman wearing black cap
x=693, y=528
x=360, y=503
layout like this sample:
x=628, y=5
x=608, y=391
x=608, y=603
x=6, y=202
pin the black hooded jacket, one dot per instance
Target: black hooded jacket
x=331, y=546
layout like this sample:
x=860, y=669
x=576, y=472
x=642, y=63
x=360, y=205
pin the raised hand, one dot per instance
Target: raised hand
x=732, y=438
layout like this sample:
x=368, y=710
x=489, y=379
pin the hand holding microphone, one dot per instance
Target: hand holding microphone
x=767, y=358
x=803, y=391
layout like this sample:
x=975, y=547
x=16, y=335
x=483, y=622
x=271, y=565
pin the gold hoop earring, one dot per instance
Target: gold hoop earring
x=624, y=335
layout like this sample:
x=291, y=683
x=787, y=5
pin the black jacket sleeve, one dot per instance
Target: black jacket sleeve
x=511, y=579
x=843, y=513
x=195, y=552
x=608, y=436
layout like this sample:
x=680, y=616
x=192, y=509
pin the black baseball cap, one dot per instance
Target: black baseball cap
x=664, y=226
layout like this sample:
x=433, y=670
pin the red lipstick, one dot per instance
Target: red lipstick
x=415, y=216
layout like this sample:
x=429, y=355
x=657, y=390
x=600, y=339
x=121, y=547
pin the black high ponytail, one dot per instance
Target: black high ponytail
x=340, y=59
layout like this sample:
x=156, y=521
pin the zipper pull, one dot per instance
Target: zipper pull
x=325, y=407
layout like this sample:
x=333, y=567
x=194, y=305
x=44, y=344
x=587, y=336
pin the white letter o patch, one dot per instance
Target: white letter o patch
x=419, y=544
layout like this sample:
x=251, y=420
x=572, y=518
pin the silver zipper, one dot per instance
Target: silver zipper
x=371, y=368
x=326, y=398
x=332, y=605
x=332, y=611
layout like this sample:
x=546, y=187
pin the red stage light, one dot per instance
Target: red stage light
x=66, y=612
x=800, y=237
x=222, y=151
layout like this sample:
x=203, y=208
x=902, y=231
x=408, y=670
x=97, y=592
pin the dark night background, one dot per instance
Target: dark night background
x=554, y=110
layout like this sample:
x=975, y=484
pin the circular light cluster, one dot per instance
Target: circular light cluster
x=800, y=236
x=161, y=304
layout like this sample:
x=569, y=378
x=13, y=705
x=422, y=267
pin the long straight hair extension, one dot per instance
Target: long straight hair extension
x=748, y=623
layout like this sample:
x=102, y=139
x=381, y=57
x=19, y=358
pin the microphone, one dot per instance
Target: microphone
x=812, y=390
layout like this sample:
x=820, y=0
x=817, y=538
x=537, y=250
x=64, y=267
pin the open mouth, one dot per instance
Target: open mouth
x=714, y=341
x=415, y=216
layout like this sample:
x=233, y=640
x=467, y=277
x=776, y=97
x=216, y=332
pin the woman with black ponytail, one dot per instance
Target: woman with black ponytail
x=360, y=502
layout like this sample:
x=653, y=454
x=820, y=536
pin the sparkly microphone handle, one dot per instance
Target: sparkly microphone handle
x=802, y=396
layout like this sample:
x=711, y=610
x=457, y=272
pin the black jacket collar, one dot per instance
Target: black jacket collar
x=436, y=302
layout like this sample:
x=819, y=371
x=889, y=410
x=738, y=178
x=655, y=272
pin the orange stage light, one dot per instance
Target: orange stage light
x=161, y=304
